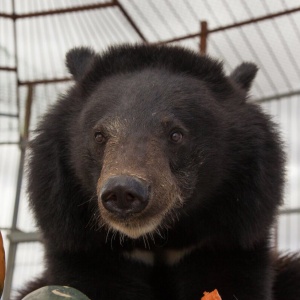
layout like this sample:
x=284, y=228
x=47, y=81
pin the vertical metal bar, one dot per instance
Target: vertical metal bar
x=275, y=237
x=12, y=250
x=27, y=118
x=203, y=37
x=24, y=133
x=12, y=247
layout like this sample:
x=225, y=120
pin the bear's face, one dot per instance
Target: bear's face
x=145, y=142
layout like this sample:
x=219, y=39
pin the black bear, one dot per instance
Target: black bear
x=154, y=178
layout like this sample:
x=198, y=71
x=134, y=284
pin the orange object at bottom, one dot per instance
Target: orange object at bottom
x=2, y=265
x=214, y=295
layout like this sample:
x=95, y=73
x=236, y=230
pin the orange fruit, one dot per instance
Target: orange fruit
x=214, y=295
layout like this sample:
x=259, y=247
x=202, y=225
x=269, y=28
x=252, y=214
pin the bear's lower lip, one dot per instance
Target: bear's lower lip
x=133, y=229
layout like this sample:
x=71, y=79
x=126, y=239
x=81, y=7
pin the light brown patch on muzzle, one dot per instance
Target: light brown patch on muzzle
x=136, y=168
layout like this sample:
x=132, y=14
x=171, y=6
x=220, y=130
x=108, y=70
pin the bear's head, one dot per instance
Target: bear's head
x=162, y=140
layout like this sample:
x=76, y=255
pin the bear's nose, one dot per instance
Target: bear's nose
x=124, y=195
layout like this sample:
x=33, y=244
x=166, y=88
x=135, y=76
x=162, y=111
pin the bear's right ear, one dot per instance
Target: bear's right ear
x=79, y=61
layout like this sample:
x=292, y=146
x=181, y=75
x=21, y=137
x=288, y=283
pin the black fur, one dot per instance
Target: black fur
x=286, y=285
x=79, y=60
x=228, y=170
x=244, y=74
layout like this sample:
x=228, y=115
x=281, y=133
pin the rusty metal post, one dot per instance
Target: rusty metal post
x=203, y=37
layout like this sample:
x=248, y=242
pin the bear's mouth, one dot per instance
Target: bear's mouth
x=157, y=217
x=135, y=229
x=134, y=225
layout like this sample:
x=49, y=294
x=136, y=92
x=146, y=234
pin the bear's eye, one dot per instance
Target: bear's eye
x=176, y=136
x=99, y=137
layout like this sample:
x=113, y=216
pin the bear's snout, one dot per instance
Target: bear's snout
x=124, y=195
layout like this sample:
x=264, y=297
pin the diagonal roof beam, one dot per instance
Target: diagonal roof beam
x=230, y=26
x=130, y=20
x=59, y=11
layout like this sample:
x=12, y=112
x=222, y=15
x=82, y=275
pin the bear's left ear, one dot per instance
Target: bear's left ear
x=79, y=60
x=244, y=74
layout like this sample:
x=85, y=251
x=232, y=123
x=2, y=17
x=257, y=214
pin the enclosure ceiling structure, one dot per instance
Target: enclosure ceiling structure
x=47, y=29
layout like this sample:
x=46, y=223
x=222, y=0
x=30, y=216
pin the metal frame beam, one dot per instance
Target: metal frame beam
x=230, y=26
x=277, y=96
x=15, y=16
x=16, y=236
x=9, y=69
x=289, y=211
x=130, y=20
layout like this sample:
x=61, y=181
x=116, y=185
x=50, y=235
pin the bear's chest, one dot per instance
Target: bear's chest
x=168, y=257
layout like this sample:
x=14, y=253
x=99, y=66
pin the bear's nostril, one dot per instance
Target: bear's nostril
x=124, y=195
x=109, y=197
x=130, y=197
